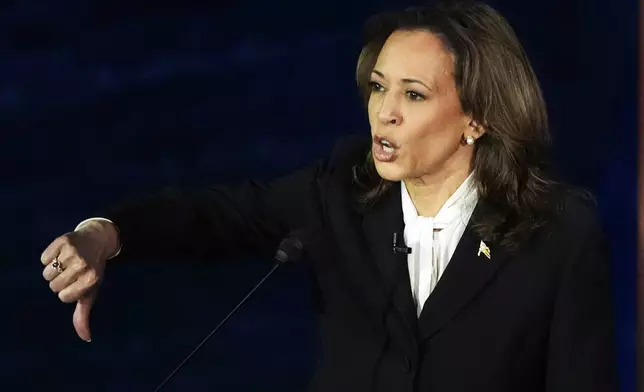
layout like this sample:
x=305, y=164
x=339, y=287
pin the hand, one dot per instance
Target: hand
x=74, y=265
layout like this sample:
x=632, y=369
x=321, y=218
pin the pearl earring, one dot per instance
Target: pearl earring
x=469, y=140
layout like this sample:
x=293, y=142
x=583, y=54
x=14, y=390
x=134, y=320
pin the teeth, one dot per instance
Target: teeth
x=386, y=146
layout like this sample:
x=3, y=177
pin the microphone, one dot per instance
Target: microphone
x=290, y=249
x=397, y=247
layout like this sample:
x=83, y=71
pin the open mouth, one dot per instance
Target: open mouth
x=384, y=150
x=386, y=145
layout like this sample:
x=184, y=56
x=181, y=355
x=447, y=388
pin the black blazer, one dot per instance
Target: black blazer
x=540, y=319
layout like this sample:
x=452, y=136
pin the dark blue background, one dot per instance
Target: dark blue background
x=99, y=100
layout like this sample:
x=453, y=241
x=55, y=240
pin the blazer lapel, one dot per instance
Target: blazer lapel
x=346, y=222
x=379, y=225
x=465, y=276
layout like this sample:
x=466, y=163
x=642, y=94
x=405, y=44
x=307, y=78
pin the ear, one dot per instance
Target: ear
x=477, y=130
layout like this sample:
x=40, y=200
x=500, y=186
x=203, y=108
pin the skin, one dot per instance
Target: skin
x=83, y=254
x=414, y=103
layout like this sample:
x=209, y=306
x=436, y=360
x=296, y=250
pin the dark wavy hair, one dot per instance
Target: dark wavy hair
x=498, y=88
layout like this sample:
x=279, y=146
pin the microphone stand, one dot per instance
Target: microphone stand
x=290, y=249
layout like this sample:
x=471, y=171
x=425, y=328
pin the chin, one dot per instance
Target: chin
x=390, y=171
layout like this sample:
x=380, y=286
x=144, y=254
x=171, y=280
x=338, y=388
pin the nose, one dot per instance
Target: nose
x=389, y=113
x=389, y=119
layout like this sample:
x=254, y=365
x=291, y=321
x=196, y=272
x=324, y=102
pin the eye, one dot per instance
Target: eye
x=376, y=87
x=414, y=96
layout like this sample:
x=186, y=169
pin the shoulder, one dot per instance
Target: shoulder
x=345, y=152
x=575, y=215
x=349, y=154
x=350, y=150
x=570, y=231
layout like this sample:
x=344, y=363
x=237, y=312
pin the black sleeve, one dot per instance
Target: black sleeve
x=247, y=218
x=582, y=355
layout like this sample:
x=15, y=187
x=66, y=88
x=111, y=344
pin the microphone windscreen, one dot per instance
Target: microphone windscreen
x=293, y=246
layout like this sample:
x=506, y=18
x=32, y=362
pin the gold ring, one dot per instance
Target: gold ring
x=56, y=264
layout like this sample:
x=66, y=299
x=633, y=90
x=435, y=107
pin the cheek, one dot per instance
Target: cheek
x=422, y=132
x=434, y=128
x=432, y=139
x=372, y=110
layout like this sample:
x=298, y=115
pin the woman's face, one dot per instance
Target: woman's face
x=415, y=114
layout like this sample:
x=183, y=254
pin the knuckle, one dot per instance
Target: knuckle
x=64, y=239
x=73, y=265
x=76, y=265
x=68, y=245
x=73, y=251
x=92, y=277
x=82, y=262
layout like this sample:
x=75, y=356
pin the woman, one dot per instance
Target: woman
x=502, y=282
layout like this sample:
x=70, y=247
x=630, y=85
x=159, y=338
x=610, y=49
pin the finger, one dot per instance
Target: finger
x=53, y=250
x=50, y=272
x=73, y=268
x=81, y=315
x=64, y=258
x=79, y=288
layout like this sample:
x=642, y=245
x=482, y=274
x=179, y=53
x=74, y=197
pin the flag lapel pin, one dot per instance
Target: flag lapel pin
x=485, y=250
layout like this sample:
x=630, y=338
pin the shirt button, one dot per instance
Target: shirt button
x=406, y=365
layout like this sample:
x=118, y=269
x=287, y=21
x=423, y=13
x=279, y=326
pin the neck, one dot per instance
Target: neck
x=429, y=193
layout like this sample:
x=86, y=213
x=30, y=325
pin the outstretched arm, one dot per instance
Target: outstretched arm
x=248, y=217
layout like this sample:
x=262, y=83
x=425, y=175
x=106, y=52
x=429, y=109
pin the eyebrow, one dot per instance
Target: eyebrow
x=405, y=80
